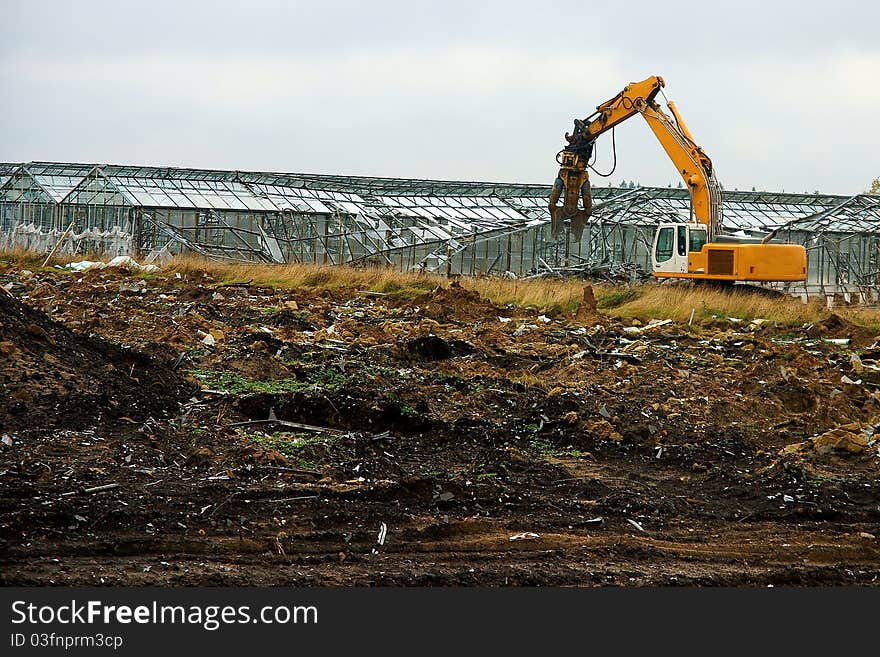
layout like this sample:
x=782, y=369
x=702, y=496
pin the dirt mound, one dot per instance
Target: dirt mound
x=588, y=308
x=52, y=377
x=455, y=302
x=836, y=326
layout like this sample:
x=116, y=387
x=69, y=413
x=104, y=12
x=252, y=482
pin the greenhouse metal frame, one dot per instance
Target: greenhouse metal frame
x=432, y=225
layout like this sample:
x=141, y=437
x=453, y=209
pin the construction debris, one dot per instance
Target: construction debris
x=635, y=524
x=607, y=272
x=317, y=415
x=123, y=262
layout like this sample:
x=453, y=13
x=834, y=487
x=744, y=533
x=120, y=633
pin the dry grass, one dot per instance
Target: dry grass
x=678, y=301
x=866, y=317
x=651, y=301
x=294, y=275
x=32, y=260
x=549, y=294
x=531, y=381
x=559, y=294
x=643, y=302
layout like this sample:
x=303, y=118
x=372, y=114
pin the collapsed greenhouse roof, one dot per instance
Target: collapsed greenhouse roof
x=459, y=202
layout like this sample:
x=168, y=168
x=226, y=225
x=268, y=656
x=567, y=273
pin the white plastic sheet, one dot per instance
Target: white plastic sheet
x=124, y=262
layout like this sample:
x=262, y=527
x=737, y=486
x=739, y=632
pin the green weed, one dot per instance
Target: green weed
x=617, y=298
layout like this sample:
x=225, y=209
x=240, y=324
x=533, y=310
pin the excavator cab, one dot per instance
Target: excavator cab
x=672, y=245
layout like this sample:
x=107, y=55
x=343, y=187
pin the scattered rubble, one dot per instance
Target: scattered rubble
x=181, y=430
x=852, y=438
x=615, y=272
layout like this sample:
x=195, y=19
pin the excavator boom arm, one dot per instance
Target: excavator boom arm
x=629, y=102
x=692, y=163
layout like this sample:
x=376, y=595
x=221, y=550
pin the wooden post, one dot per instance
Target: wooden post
x=58, y=243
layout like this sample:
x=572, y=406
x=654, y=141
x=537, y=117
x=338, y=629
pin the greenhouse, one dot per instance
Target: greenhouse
x=446, y=226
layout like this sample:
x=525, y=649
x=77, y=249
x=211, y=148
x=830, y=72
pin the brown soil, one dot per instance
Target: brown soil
x=54, y=378
x=568, y=451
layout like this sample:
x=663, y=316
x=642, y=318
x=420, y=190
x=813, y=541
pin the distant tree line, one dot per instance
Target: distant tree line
x=875, y=186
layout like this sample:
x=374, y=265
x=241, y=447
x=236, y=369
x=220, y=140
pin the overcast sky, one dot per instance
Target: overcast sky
x=781, y=95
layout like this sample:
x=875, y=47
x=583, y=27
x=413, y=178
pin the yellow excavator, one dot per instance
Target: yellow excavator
x=693, y=249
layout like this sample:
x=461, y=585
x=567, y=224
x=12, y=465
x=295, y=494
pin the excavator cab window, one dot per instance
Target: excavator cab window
x=698, y=239
x=682, y=242
x=665, y=242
